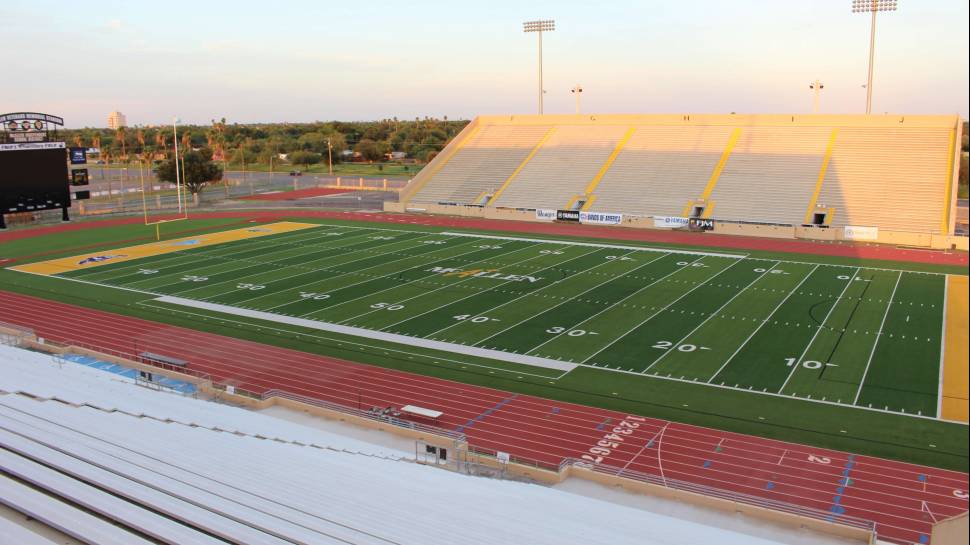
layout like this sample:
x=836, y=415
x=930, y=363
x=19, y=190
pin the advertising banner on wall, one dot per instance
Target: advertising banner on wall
x=567, y=215
x=700, y=224
x=545, y=215
x=670, y=222
x=858, y=232
x=600, y=218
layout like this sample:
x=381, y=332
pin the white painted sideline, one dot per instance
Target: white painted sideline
x=597, y=245
x=371, y=334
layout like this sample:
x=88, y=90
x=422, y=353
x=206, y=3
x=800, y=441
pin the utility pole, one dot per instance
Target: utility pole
x=577, y=90
x=872, y=6
x=539, y=27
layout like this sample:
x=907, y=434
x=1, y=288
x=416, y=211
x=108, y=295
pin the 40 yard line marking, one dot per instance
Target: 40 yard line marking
x=872, y=353
x=757, y=329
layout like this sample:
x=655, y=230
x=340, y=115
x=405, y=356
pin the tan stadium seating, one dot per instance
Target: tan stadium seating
x=893, y=172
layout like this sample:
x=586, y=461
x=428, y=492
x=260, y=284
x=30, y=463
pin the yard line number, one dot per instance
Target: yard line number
x=808, y=364
x=558, y=330
x=666, y=345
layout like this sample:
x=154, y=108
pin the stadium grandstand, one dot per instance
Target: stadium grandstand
x=885, y=178
x=89, y=456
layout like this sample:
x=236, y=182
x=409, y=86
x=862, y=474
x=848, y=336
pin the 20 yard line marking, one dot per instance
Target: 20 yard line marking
x=668, y=305
x=763, y=322
x=821, y=326
x=711, y=315
x=872, y=352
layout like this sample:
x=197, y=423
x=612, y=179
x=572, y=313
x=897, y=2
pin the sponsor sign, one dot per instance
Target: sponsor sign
x=858, y=232
x=545, y=215
x=82, y=195
x=670, y=222
x=79, y=156
x=567, y=215
x=79, y=176
x=32, y=145
x=600, y=218
x=700, y=224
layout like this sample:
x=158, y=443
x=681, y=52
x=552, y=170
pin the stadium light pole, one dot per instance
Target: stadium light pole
x=817, y=87
x=175, y=143
x=872, y=6
x=539, y=27
x=577, y=90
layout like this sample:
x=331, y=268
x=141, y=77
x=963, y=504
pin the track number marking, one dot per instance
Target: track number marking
x=613, y=439
x=825, y=460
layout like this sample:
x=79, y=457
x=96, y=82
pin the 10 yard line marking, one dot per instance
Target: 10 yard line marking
x=757, y=329
x=872, y=353
x=819, y=330
x=713, y=314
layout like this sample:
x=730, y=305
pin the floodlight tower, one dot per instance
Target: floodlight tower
x=539, y=27
x=577, y=90
x=817, y=87
x=872, y=6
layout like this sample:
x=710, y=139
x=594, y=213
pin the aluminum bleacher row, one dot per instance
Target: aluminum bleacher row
x=892, y=172
x=103, y=460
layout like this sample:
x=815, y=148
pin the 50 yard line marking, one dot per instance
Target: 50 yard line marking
x=821, y=326
x=757, y=329
x=711, y=315
x=470, y=295
x=872, y=352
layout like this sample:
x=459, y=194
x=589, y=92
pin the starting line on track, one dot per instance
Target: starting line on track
x=372, y=334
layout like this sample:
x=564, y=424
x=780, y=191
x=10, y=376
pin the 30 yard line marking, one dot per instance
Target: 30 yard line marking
x=821, y=326
x=668, y=305
x=711, y=315
x=872, y=352
x=763, y=322
x=564, y=302
x=588, y=318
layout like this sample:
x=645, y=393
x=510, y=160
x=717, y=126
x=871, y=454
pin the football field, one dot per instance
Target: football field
x=825, y=333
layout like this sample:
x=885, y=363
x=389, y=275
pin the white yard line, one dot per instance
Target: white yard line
x=821, y=326
x=845, y=266
x=588, y=318
x=665, y=307
x=301, y=267
x=524, y=295
x=371, y=334
x=246, y=264
x=939, y=395
x=598, y=245
x=457, y=256
x=398, y=302
x=183, y=254
x=520, y=322
x=765, y=321
x=711, y=315
x=872, y=352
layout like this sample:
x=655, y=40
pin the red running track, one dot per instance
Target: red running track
x=902, y=499
x=859, y=251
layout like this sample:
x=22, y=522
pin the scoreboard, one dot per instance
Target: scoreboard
x=33, y=176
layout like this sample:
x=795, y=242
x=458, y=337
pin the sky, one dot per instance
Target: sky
x=299, y=61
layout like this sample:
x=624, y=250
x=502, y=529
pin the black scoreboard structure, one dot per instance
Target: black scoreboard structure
x=33, y=165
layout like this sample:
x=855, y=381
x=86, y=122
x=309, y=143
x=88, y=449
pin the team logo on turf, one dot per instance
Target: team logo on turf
x=484, y=273
x=189, y=242
x=259, y=230
x=99, y=258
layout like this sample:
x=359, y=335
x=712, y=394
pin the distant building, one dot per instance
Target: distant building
x=116, y=120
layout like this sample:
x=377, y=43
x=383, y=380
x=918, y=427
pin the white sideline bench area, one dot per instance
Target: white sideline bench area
x=106, y=461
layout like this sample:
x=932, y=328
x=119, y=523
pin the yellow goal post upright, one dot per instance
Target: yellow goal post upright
x=183, y=209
